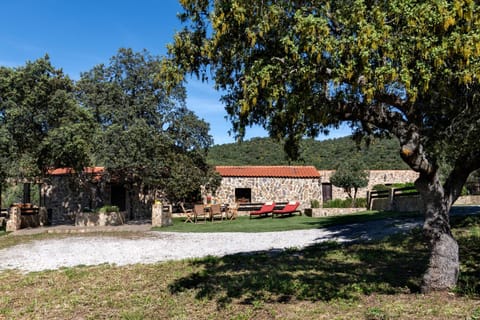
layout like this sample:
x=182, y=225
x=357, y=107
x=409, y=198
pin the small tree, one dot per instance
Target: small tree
x=350, y=175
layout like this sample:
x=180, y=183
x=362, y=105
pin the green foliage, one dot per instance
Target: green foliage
x=346, y=203
x=314, y=203
x=381, y=154
x=376, y=313
x=383, y=187
x=108, y=208
x=13, y=193
x=405, y=68
x=42, y=121
x=145, y=135
x=295, y=222
x=408, y=69
x=469, y=235
x=350, y=175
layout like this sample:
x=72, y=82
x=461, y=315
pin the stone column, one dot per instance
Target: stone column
x=43, y=214
x=15, y=220
x=391, y=199
x=161, y=218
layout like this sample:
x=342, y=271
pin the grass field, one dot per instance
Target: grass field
x=267, y=224
x=377, y=280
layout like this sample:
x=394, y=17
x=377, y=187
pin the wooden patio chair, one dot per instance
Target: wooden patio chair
x=216, y=210
x=189, y=216
x=198, y=211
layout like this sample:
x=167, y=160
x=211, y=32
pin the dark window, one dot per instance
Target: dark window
x=243, y=195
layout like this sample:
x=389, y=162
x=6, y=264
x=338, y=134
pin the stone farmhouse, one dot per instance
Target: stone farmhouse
x=64, y=198
x=268, y=183
x=284, y=183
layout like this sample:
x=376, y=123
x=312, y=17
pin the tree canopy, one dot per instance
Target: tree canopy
x=145, y=135
x=405, y=68
x=42, y=124
x=380, y=154
x=350, y=175
x=118, y=116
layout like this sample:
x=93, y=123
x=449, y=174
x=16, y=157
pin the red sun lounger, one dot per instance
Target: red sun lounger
x=264, y=210
x=289, y=209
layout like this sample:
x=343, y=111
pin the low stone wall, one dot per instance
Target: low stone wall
x=400, y=204
x=326, y=212
x=17, y=220
x=468, y=200
x=92, y=219
x=408, y=203
x=380, y=204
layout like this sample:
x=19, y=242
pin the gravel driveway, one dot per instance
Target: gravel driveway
x=153, y=246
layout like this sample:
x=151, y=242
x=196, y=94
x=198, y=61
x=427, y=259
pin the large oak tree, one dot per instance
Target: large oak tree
x=406, y=68
x=146, y=137
x=41, y=124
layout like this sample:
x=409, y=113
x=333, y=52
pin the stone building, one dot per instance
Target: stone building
x=302, y=183
x=268, y=183
x=64, y=195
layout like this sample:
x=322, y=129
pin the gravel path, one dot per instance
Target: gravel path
x=155, y=246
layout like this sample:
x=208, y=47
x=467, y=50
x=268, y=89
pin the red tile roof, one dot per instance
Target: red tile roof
x=268, y=171
x=64, y=171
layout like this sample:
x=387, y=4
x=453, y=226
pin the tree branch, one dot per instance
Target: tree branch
x=382, y=117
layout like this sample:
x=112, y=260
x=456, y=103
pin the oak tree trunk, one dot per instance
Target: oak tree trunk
x=443, y=268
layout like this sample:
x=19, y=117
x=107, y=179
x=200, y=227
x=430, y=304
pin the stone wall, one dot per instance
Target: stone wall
x=265, y=189
x=92, y=219
x=327, y=212
x=468, y=200
x=65, y=197
x=375, y=177
x=400, y=202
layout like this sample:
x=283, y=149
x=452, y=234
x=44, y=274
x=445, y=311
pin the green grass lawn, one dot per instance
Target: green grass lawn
x=374, y=280
x=267, y=224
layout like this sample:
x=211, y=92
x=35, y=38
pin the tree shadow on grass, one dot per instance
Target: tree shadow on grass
x=324, y=272
x=468, y=239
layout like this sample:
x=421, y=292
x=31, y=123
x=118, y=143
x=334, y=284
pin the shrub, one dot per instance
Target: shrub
x=347, y=203
x=314, y=203
x=383, y=187
x=108, y=208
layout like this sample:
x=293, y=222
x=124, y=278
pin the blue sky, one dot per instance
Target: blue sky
x=78, y=35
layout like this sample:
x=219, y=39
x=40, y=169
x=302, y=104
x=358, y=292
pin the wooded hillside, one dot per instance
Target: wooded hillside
x=380, y=155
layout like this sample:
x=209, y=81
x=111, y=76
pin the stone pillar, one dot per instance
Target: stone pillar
x=15, y=220
x=391, y=198
x=43, y=213
x=161, y=218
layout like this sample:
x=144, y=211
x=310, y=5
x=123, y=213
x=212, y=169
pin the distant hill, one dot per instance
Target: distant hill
x=382, y=154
